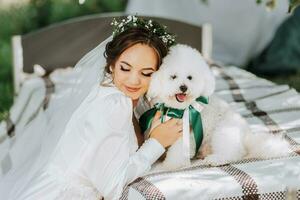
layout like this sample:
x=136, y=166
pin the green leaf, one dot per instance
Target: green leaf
x=293, y=5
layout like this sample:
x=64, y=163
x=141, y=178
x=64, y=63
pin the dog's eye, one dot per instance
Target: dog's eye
x=190, y=77
x=173, y=77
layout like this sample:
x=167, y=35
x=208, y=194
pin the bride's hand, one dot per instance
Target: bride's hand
x=166, y=133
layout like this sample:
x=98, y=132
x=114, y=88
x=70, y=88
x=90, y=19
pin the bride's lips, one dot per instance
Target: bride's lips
x=130, y=89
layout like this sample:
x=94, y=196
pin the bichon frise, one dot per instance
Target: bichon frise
x=183, y=78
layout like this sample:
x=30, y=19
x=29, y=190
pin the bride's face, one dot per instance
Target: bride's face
x=133, y=69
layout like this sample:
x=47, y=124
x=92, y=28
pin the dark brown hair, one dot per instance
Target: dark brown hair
x=128, y=38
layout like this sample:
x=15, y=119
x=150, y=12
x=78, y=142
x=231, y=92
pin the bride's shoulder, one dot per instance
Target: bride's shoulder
x=116, y=105
x=112, y=96
x=105, y=105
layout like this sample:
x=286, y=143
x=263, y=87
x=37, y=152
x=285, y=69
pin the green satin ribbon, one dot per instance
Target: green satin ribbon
x=195, y=120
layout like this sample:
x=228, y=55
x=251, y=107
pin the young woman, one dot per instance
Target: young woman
x=97, y=153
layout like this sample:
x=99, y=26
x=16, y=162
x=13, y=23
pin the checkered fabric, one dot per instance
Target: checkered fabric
x=266, y=107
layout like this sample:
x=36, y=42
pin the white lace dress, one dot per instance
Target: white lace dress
x=98, y=153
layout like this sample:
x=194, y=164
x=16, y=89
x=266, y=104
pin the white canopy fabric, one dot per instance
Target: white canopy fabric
x=241, y=29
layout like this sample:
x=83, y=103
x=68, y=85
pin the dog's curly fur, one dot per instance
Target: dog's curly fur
x=227, y=136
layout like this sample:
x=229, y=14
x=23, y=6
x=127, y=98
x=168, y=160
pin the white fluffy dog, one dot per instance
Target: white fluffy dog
x=183, y=76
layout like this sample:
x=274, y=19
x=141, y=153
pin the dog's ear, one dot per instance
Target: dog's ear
x=155, y=85
x=209, y=86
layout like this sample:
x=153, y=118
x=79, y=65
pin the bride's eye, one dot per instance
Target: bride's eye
x=123, y=69
x=148, y=75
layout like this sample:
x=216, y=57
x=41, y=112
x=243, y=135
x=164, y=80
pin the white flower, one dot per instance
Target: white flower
x=150, y=23
x=134, y=18
x=120, y=25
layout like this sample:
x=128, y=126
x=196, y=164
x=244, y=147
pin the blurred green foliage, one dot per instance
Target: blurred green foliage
x=23, y=18
x=292, y=79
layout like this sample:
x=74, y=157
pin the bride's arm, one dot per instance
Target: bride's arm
x=111, y=165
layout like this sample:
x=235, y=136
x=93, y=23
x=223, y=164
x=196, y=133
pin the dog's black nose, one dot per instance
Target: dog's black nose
x=183, y=88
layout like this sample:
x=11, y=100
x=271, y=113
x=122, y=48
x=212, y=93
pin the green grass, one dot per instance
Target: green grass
x=6, y=86
x=292, y=80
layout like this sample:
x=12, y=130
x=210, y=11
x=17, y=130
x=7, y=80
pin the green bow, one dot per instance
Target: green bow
x=195, y=120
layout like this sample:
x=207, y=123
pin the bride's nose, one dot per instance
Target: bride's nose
x=134, y=79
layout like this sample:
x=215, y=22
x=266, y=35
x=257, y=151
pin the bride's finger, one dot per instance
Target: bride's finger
x=172, y=121
x=180, y=133
x=179, y=128
x=179, y=122
x=156, y=120
x=157, y=116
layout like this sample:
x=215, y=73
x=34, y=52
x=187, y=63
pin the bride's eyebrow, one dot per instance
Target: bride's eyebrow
x=147, y=68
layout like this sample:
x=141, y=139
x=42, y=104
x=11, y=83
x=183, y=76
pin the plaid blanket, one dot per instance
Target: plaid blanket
x=267, y=107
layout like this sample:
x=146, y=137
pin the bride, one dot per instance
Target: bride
x=88, y=145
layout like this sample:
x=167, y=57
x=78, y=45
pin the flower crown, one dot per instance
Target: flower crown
x=154, y=27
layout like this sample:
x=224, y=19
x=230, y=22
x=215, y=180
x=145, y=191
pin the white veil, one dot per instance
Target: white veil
x=34, y=147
